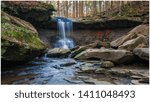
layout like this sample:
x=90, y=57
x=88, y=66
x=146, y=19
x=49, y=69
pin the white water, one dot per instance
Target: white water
x=64, y=29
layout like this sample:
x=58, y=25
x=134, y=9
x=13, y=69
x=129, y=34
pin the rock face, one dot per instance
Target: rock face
x=20, y=42
x=132, y=44
x=105, y=24
x=116, y=56
x=35, y=12
x=58, y=52
x=142, y=53
x=137, y=31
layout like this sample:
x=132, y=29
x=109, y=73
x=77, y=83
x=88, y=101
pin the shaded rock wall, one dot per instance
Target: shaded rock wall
x=35, y=12
x=81, y=37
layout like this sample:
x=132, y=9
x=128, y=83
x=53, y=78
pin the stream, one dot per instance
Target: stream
x=42, y=71
x=56, y=71
x=67, y=71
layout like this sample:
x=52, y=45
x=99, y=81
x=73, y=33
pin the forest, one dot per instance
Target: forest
x=79, y=9
x=103, y=42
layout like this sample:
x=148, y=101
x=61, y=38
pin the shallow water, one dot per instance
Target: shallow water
x=63, y=71
x=41, y=71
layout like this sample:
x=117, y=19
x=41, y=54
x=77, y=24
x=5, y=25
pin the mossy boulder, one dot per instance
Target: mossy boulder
x=36, y=12
x=19, y=40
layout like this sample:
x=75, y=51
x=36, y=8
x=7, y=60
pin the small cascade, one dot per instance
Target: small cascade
x=64, y=30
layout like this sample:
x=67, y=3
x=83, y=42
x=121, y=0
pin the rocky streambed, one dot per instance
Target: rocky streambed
x=46, y=70
x=122, y=61
x=99, y=58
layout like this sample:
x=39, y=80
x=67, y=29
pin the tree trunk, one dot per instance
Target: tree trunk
x=58, y=10
x=94, y=7
x=86, y=5
x=66, y=10
x=100, y=7
x=76, y=8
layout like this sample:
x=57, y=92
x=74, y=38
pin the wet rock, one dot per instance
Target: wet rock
x=57, y=67
x=83, y=77
x=101, y=71
x=96, y=82
x=58, y=52
x=135, y=82
x=134, y=33
x=116, y=56
x=136, y=77
x=87, y=69
x=142, y=53
x=133, y=43
x=19, y=41
x=120, y=73
x=73, y=81
x=107, y=64
x=141, y=81
x=144, y=80
x=68, y=63
x=85, y=64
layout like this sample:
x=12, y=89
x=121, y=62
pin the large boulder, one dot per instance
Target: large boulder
x=134, y=33
x=116, y=56
x=58, y=52
x=19, y=40
x=133, y=43
x=36, y=12
x=142, y=53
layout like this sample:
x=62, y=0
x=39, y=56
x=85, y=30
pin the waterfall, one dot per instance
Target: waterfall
x=64, y=31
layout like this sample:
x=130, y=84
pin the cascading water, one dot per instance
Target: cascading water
x=64, y=29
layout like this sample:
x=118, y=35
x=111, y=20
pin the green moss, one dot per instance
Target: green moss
x=20, y=34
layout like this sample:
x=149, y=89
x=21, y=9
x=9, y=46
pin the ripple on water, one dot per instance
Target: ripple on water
x=41, y=71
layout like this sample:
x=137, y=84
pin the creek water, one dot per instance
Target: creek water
x=58, y=71
x=42, y=71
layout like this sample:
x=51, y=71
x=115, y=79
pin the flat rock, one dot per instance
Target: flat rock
x=97, y=82
x=58, y=52
x=87, y=69
x=135, y=82
x=144, y=80
x=107, y=64
x=101, y=71
x=116, y=56
x=70, y=63
x=72, y=80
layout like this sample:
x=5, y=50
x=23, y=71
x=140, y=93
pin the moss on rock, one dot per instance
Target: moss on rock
x=35, y=12
x=19, y=40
